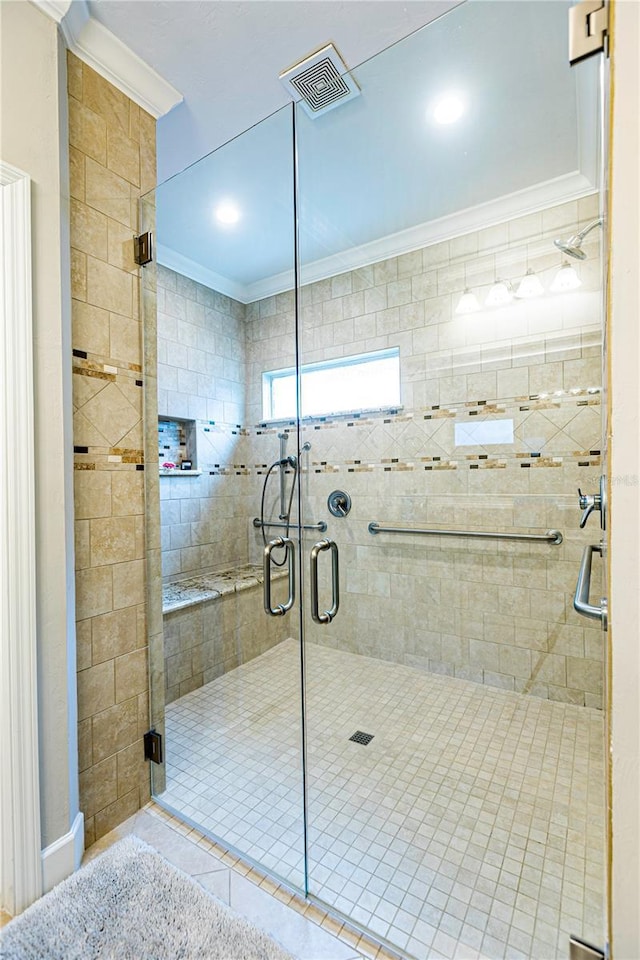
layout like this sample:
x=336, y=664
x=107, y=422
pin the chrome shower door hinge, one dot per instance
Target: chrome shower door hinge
x=153, y=746
x=142, y=249
x=581, y=950
x=588, y=29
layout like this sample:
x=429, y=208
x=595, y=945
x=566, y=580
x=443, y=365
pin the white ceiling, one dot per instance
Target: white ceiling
x=376, y=177
x=224, y=56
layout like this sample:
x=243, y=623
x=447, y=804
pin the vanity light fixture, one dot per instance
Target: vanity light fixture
x=468, y=303
x=565, y=279
x=530, y=286
x=227, y=213
x=500, y=294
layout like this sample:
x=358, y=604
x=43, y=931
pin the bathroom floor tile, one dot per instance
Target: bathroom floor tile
x=467, y=809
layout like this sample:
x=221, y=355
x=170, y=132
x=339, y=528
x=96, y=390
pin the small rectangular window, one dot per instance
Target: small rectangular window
x=362, y=382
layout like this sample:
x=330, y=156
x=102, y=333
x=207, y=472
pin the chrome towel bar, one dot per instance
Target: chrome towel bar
x=316, y=550
x=551, y=536
x=289, y=546
x=320, y=525
x=581, y=599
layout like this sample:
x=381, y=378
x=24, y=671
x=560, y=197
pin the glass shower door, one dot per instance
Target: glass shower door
x=450, y=381
x=225, y=647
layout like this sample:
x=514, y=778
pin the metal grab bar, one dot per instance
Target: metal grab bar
x=581, y=598
x=328, y=615
x=320, y=525
x=282, y=608
x=551, y=536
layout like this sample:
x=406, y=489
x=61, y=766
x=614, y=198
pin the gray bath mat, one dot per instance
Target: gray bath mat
x=130, y=904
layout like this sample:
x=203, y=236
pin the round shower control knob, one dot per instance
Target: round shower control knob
x=339, y=503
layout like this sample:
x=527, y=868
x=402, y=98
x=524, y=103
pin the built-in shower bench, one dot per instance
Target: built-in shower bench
x=211, y=586
x=214, y=622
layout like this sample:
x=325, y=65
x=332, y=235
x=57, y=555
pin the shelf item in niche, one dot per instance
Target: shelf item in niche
x=185, y=465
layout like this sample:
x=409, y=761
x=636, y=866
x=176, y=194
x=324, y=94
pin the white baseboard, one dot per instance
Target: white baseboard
x=61, y=858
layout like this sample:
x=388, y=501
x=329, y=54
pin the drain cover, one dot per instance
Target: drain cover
x=360, y=737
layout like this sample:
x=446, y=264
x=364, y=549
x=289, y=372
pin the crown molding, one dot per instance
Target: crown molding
x=55, y=9
x=571, y=186
x=166, y=257
x=110, y=57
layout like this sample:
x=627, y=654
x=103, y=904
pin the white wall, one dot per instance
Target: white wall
x=32, y=136
x=624, y=346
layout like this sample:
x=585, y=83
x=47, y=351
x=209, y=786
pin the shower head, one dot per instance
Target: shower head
x=573, y=246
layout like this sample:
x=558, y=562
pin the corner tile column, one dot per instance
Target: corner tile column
x=112, y=163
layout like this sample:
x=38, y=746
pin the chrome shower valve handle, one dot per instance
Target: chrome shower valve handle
x=589, y=502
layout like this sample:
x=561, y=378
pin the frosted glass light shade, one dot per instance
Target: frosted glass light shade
x=500, y=294
x=530, y=286
x=565, y=279
x=468, y=303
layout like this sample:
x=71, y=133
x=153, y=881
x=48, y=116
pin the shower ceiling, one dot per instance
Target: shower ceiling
x=508, y=139
x=224, y=56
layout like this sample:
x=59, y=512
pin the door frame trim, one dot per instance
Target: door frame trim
x=21, y=862
x=623, y=648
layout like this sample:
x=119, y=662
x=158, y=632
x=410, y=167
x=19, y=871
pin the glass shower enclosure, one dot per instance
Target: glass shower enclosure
x=373, y=386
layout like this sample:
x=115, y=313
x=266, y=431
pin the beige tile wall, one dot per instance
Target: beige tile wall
x=201, y=376
x=208, y=639
x=539, y=345
x=201, y=345
x=112, y=162
x=497, y=614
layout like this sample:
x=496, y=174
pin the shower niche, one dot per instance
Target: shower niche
x=177, y=447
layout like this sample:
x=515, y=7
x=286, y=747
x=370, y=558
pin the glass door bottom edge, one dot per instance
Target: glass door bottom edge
x=307, y=897
x=227, y=847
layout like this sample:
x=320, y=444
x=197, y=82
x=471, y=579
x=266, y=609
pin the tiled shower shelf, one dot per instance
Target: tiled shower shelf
x=180, y=473
x=211, y=586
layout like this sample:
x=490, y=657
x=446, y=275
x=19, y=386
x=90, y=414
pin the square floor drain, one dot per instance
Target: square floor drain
x=360, y=737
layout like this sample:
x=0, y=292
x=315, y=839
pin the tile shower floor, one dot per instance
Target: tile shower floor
x=471, y=825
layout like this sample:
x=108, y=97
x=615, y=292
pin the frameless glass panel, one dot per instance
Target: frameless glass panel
x=225, y=673
x=455, y=746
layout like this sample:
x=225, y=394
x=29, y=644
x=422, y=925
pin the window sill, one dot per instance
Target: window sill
x=361, y=414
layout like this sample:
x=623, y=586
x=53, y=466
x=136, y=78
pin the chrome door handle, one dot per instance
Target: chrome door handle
x=581, y=599
x=316, y=550
x=281, y=608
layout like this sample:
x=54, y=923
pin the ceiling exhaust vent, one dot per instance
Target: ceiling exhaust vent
x=320, y=82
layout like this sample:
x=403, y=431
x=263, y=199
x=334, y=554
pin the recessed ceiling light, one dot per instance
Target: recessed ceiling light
x=448, y=109
x=227, y=213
